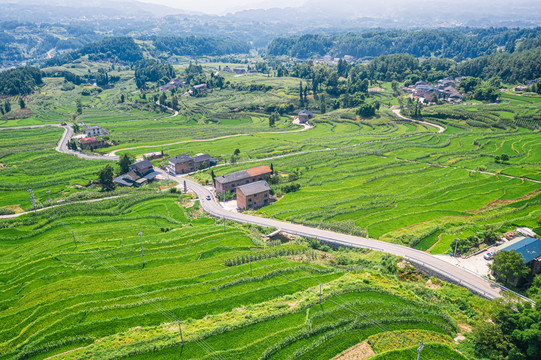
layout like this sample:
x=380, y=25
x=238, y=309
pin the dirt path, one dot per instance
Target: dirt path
x=175, y=112
x=440, y=128
x=62, y=204
x=305, y=128
x=436, y=243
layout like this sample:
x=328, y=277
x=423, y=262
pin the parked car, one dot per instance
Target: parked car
x=208, y=197
x=488, y=256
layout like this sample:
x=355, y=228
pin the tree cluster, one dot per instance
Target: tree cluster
x=456, y=43
x=113, y=49
x=20, y=81
x=152, y=71
x=200, y=45
x=512, y=68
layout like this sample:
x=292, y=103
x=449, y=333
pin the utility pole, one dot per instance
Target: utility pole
x=51, y=201
x=185, y=188
x=456, y=244
x=320, y=293
x=75, y=241
x=251, y=266
x=181, y=337
x=154, y=216
x=419, y=349
x=142, y=252
x=33, y=199
x=224, y=223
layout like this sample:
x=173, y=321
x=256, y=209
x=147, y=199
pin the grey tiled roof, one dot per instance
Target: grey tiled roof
x=201, y=158
x=254, y=188
x=180, y=159
x=142, y=166
x=236, y=176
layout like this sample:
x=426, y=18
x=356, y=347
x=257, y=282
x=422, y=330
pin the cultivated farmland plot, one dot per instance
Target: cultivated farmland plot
x=73, y=284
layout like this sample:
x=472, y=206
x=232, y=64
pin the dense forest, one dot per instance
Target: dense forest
x=200, y=46
x=20, y=81
x=126, y=49
x=114, y=49
x=152, y=70
x=512, y=68
x=457, y=44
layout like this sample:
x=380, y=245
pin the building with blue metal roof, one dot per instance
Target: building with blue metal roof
x=529, y=248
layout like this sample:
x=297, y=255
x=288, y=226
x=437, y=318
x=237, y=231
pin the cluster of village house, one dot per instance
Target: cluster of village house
x=179, y=82
x=91, y=141
x=329, y=60
x=250, y=185
x=444, y=90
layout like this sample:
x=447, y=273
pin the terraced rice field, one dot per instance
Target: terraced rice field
x=74, y=284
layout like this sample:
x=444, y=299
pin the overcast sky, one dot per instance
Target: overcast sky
x=221, y=7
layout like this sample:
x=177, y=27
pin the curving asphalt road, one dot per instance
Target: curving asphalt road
x=63, y=147
x=420, y=259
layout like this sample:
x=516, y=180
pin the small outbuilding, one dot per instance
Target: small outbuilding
x=304, y=116
x=253, y=195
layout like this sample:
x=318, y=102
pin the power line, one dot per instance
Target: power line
x=164, y=311
x=345, y=307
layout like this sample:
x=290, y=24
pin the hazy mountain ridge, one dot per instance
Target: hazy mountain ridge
x=31, y=31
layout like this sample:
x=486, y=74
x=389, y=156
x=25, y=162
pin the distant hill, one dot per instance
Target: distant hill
x=58, y=10
x=125, y=49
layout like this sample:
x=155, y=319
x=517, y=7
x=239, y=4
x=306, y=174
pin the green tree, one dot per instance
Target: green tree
x=122, y=98
x=79, y=106
x=275, y=116
x=509, y=266
x=7, y=106
x=504, y=157
x=236, y=152
x=72, y=145
x=76, y=128
x=213, y=177
x=22, y=105
x=322, y=104
x=395, y=86
x=124, y=164
x=106, y=178
x=490, y=341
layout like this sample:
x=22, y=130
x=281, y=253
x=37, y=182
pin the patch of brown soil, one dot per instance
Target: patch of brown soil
x=376, y=89
x=429, y=284
x=402, y=264
x=358, y=352
x=498, y=203
x=464, y=328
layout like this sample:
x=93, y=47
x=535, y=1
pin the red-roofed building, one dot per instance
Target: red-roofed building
x=229, y=182
x=260, y=172
x=91, y=143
